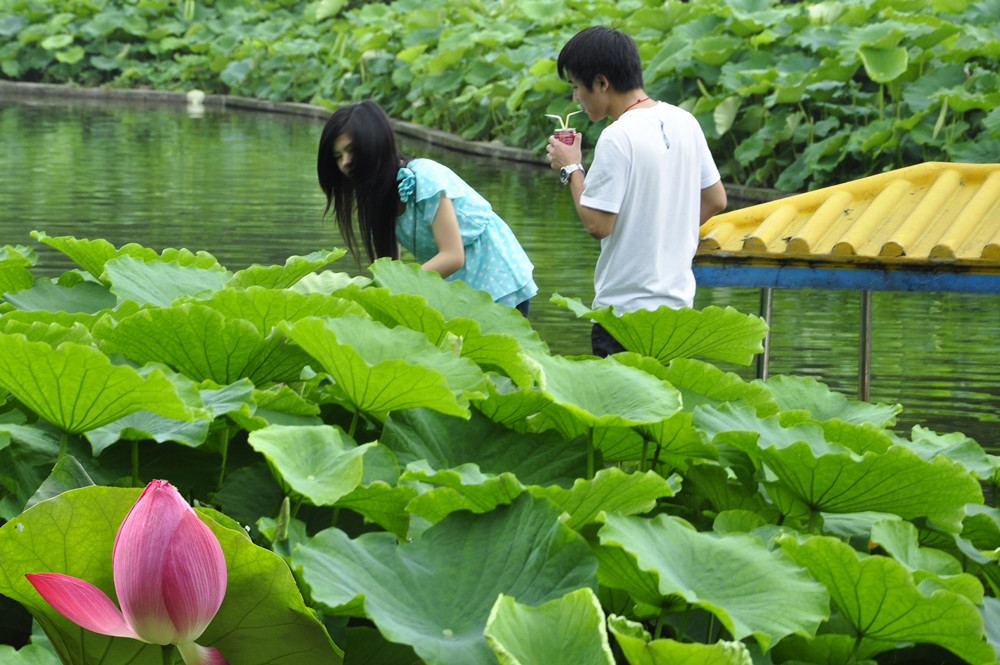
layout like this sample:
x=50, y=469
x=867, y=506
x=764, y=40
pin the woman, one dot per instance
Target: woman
x=418, y=204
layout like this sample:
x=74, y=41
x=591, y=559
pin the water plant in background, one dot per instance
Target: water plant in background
x=792, y=95
x=419, y=479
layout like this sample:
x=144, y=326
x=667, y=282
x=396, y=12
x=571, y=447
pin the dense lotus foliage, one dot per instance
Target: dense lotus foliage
x=399, y=471
x=792, y=95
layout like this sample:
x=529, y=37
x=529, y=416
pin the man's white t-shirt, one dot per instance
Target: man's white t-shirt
x=649, y=168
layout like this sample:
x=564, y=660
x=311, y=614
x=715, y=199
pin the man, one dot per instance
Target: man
x=651, y=185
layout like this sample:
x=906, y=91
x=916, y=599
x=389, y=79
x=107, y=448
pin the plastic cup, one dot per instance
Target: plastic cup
x=567, y=136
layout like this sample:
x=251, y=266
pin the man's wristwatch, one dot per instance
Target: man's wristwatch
x=565, y=172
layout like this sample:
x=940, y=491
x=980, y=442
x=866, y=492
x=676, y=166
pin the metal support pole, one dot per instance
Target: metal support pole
x=865, y=348
x=766, y=301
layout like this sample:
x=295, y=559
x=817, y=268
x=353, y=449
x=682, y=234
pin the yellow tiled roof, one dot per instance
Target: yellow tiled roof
x=933, y=213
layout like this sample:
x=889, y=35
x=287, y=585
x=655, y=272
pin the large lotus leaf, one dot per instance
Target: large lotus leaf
x=262, y=619
x=383, y=369
x=446, y=442
x=610, y=490
x=265, y=308
x=327, y=282
x=457, y=300
x=955, y=446
x=14, y=264
x=52, y=334
x=900, y=539
x=198, y=341
x=604, y=393
x=321, y=464
x=878, y=597
x=703, y=383
x=46, y=295
x=828, y=648
x=28, y=655
x=991, y=617
x=92, y=255
x=640, y=648
x=714, y=484
x=564, y=631
x=839, y=481
x=64, y=319
x=383, y=504
x=144, y=425
x=412, y=311
x=808, y=394
x=436, y=593
x=752, y=590
x=462, y=488
x=76, y=388
x=282, y=277
x=161, y=283
x=665, y=333
x=509, y=405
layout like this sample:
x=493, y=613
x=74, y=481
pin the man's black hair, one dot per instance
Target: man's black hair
x=602, y=50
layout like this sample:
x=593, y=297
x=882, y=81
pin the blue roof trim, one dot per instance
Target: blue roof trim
x=855, y=280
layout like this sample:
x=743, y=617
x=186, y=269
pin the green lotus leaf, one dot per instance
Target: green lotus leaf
x=932, y=568
x=92, y=255
x=381, y=369
x=436, y=593
x=327, y=282
x=955, y=446
x=884, y=65
x=446, y=442
x=265, y=308
x=49, y=296
x=67, y=474
x=457, y=300
x=641, y=649
x=462, y=488
x=806, y=393
x=610, y=490
x=604, y=393
x=14, y=264
x=27, y=655
x=563, y=631
x=991, y=617
x=665, y=334
x=160, y=283
x=752, y=590
x=145, y=425
x=320, y=464
x=52, y=334
x=74, y=533
x=212, y=403
x=839, y=481
x=198, y=341
x=63, y=319
x=702, y=383
x=383, y=504
x=508, y=405
x=829, y=648
x=879, y=599
x=76, y=388
x=498, y=351
x=282, y=277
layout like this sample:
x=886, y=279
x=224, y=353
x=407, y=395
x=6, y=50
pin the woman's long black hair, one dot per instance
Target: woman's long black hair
x=371, y=187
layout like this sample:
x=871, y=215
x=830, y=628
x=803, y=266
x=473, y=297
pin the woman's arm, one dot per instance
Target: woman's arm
x=451, y=252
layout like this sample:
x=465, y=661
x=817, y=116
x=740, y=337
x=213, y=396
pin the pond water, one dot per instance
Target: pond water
x=242, y=186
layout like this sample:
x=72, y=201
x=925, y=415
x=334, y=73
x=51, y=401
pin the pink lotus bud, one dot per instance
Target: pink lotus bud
x=170, y=578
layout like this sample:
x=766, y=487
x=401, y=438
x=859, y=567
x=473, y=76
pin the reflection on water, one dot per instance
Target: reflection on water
x=242, y=186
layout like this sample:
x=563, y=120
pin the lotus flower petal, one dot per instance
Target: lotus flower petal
x=198, y=655
x=194, y=577
x=170, y=572
x=138, y=559
x=82, y=603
